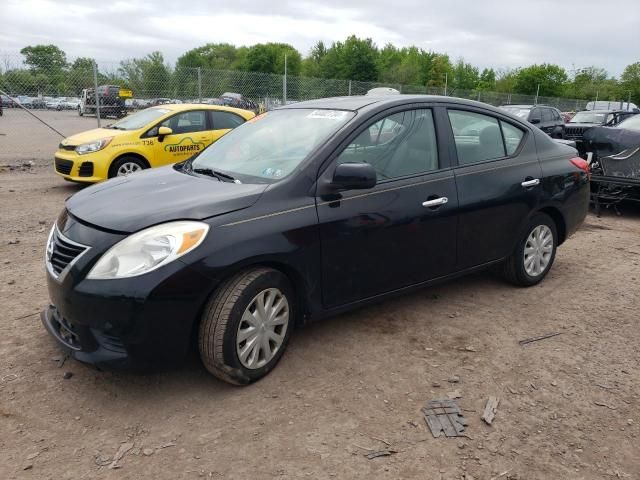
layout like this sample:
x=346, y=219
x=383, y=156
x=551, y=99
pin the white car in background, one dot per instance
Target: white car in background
x=55, y=104
x=70, y=103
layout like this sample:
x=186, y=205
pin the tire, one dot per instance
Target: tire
x=522, y=272
x=223, y=320
x=79, y=112
x=130, y=164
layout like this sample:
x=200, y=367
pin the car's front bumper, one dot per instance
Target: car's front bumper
x=140, y=322
x=80, y=168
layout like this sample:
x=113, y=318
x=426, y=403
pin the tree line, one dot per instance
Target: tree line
x=46, y=69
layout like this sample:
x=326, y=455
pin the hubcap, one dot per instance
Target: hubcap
x=262, y=328
x=128, y=168
x=538, y=250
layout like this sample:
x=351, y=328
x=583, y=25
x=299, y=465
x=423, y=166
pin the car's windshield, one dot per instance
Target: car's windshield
x=269, y=147
x=589, y=117
x=518, y=111
x=631, y=123
x=140, y=119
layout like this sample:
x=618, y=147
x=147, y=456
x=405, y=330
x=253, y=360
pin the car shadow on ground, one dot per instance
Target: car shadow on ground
x=394, y=317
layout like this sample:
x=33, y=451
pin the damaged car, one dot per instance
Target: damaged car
x=614, y=157
x=575, y=128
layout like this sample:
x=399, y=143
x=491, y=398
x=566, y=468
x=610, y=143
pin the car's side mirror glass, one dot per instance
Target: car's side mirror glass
x=353, y=176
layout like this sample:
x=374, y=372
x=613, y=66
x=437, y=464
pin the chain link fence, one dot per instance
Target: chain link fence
x=47, y=102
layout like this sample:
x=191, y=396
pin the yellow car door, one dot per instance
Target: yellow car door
x=190, y=133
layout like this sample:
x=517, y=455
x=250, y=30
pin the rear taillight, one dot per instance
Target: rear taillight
x=581, y=163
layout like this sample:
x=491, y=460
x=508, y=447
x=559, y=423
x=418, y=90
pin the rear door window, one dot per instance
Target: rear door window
x=478, y=137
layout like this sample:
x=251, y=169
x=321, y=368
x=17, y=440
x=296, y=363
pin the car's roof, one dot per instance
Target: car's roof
x=603, y=111
x=180, y=107
x=361, y=102
x=528, y=106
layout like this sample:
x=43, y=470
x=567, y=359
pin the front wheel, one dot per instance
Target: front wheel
x=126, y=166
x=246, y=325
x=535, y=253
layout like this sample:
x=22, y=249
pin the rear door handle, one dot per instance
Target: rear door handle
x=435, y=202
x=531, y=183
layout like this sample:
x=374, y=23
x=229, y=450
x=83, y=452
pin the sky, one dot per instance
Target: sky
x=488, y=33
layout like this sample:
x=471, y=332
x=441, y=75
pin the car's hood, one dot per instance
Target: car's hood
x=128, y=204
x=93, y=135
x=581, y=125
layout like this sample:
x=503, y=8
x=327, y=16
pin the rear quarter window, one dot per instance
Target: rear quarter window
x=225, y=120
x=512, y=137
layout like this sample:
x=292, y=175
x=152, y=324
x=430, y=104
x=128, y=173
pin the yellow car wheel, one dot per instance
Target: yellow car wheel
x=126, y=166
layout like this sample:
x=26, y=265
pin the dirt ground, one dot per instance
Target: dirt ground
x=24, y=139
x=349, y=386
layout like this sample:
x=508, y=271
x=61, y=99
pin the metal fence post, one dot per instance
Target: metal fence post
x=349, y=87
x=95, y=92
x=284, y=82
x=199, y=85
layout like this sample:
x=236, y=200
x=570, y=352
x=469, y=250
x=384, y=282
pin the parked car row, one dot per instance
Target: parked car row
x=569, y=125
x=40, y=103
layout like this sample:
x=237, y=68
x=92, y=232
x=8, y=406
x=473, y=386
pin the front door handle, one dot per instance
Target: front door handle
x=435, y=202
x=531, y=183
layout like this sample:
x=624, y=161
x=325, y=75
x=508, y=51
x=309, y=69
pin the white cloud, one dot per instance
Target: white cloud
x=488, y=33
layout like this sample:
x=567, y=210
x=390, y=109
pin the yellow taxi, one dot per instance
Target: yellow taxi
x=149, y=138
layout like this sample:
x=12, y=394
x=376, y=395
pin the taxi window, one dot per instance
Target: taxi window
x=187, y=122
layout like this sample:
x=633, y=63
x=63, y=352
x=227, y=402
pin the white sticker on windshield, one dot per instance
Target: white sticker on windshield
x=328, y=114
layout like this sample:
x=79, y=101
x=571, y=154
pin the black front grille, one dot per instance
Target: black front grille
x=67, y=147
x=86, y=169
x=573, y=133
x=61, y=252
x=64, y=166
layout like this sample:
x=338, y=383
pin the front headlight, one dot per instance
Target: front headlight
x=149, y=249
x=93, y=146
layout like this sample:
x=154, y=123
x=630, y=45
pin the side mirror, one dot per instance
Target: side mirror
x=535, y=121
x=353, y=176
x=164, y=131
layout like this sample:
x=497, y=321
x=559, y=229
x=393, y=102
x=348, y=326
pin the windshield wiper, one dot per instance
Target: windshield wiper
x=223, y=177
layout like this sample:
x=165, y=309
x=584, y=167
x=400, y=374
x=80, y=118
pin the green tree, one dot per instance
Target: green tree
x=355, y=59
x=47, y=59
x=551, y=78
x=487, y=81
x=80, y=75
x=630, y=82
x=465, y=76
x=269, y=58
x=311, y=64
x=148, y=76
x=217, y=56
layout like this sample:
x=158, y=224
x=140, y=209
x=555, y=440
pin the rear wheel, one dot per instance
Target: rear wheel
x=126, y=166
x=246, y=325
x=535, y=253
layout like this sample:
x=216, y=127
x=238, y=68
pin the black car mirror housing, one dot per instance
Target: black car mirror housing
x=353, y=176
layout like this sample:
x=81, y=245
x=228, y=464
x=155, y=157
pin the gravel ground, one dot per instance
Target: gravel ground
x=348, y=386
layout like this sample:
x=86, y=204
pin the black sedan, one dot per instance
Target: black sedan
x=301, y=213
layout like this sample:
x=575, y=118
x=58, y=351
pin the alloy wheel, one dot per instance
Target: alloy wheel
x=128, y=168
